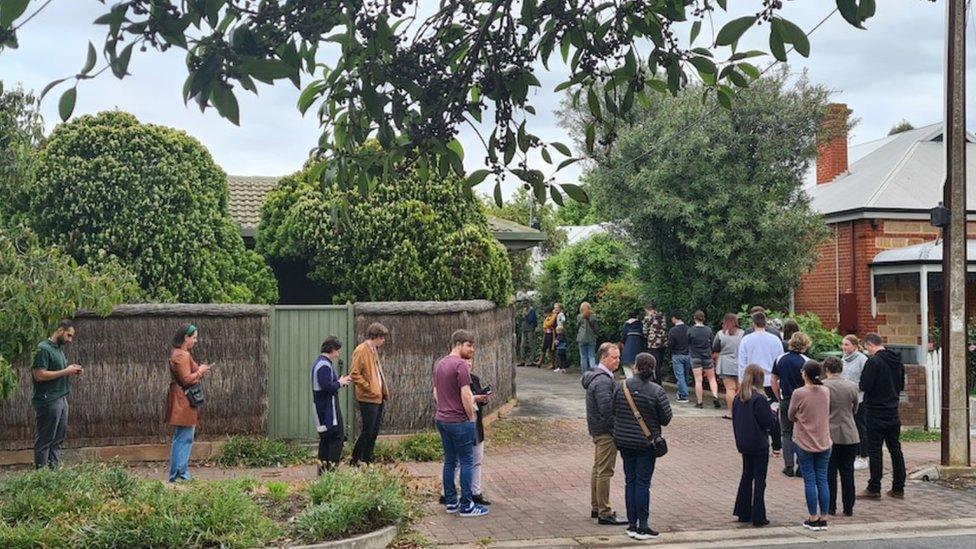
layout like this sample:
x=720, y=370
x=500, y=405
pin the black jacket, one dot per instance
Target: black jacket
x=678, y=340
x=477, y=389
x=654, y=407
x=599, y=401
x=882, y=380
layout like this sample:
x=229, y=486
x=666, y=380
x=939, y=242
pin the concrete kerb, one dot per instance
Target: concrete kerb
x=373, y=540
x=756, y=537
x=935, y=472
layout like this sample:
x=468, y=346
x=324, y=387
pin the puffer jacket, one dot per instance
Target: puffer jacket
x=654, y=407
x=599, y=401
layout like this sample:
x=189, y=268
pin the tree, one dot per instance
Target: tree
x=718, y=214
x=901, y=127
x=152, y=197
x=407, y=239
x=519, y=210
x=410, y=76
x=21, y=131
x=579, y=213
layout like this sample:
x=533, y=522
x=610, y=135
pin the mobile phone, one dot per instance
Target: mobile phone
x=486, y=390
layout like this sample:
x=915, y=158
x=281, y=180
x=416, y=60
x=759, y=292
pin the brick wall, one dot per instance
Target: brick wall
x=832, y=148
x=913, y=412
x=898, y=305
x=817, y=292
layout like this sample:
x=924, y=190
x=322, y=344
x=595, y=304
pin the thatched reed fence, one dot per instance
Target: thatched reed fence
x=420, y=334
x=121, y=398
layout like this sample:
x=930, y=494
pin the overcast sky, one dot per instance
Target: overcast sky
x=889, y=72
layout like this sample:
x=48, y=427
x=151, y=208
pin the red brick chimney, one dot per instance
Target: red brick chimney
x=832, y=144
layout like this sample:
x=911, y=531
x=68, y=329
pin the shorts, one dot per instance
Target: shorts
x=703, y=363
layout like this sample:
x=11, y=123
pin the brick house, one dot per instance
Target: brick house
x=880, y=269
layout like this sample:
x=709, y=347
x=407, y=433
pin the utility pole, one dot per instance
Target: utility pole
x=955, y=401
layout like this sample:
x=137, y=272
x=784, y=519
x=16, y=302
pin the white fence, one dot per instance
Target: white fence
x=933, y=389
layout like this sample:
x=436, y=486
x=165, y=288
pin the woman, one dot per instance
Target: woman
x=184, y=372
x=843, y=434
x=754, y=425
x=810, y=414
x=632, y=336
x=586, y=337
x=853, y=361
x=635, y=448
x=548, y=337
x=700, y=346
x=790, y=327
x=726, y=344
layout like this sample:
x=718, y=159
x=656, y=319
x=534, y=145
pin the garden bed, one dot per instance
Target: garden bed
x=107, y=506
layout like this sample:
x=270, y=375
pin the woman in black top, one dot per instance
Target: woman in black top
x=700, y=346
x=754, y=425
x=636, y=448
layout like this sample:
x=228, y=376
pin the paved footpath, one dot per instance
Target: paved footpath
x=540, y=490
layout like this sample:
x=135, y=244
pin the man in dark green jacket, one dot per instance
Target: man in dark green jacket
x=50, y=371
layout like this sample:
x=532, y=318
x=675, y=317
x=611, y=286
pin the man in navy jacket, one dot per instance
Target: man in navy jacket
x=325, y=397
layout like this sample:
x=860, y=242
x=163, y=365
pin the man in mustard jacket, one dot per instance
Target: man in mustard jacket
x=371, y=390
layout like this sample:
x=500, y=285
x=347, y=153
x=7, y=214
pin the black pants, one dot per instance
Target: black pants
x=52, y=427
x=330, y=446
x=862, y=431
x=885, y=429
x=750, y=502
x=372, y=416
x=658, y=354
x=842, y=460
x=546, y=348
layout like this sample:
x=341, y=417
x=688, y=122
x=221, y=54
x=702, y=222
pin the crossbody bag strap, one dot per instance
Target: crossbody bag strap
x=633, y=408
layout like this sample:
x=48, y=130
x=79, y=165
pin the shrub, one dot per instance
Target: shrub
x=347, y=502
x=824, y=340
x=421, y=447
x=277, y=491
x=240, y=451
x=151, y=196
x=408, y=239
x=613, y=306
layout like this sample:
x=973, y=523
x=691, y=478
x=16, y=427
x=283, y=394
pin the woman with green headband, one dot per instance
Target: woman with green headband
x=180, y=414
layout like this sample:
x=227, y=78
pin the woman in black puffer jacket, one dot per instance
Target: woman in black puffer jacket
x=635, y=448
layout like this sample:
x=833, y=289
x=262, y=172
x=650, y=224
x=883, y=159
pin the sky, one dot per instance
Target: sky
x=889, y=72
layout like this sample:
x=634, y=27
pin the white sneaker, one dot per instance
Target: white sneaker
x=860, y=464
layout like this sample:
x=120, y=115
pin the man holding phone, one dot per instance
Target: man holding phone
x=50, y=372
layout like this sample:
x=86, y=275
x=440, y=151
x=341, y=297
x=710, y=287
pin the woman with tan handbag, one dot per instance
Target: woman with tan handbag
x=640, y=410
x=180, y=411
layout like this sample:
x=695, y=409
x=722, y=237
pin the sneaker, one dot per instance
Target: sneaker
x=645, y=534
x=632, y=531
x=473, y=511
x=682, y=399
x=480, y=499
x=788, y=471
x=812, y=525
x=822, y=524
x=900, y=494
x=699, y=405
x=868, y=494
x=860, y=464
x=717, y=404
x=451, y=508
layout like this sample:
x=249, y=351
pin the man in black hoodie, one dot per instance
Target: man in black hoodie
x=599, y=383
x=882, y=380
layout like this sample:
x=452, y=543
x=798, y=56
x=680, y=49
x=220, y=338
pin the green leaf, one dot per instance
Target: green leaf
x=563, y=149
x=476, y=177
x=567, y=162
x=456, y=147
x=593, y=103
x=265, y=69
x=546, y=156
x=309, y=95
x=223, y=98
x=590, y=137
x=795, y=35
x=557, y=197
x=695, y=29
x=498, y=194
x=867, y=8
x=66, y=105
x=10, y=10
x=51, y=86
x=704, y=65
x=749, y=69
x=776, y=46
x=90, y=61
x=724, y=99
x=539, y=189
x=576, y=193
x=733, y=30
x=849, y=10
x=120, y=65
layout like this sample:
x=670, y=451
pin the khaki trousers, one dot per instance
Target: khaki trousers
x=604, y=459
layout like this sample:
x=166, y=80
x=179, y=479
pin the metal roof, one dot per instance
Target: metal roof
x=920, y=254
x=901, y=172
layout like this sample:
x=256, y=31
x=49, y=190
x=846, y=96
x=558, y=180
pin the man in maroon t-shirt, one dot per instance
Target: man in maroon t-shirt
x=455, y=421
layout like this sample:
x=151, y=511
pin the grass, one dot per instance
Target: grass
x=262, y=452
x=277, y=491
x=425, y=446
x=347, y=502
x=917, y=434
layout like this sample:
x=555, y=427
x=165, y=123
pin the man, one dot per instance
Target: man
x=787, y=377
x=680, y=354
x=882, y=380
x=325, y=397
x=598, y=383
x=371, y=390
x=655, y=332
x=527, y=326
x=761, y=348
x=455, y=420
x=50, y=372
x=769, y=328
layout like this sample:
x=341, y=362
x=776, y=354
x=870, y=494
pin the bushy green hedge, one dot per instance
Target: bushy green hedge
x=408, y=239
x=824, y=340
x=151, y=196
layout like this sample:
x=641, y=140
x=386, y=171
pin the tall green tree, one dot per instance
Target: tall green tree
x=21, y=131
x=718, y=214
x=410, y=73
x=519, y=209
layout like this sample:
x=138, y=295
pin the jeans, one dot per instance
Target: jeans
x=372, y=416
x=638, y=469
x=587, y=357
x=885, y=429
x=814, y=468
x=842, y=460
x=750, y=501
x=458, y=440
x=682, y=365
x=52, y=426
x=179, y=459
x=786, y=427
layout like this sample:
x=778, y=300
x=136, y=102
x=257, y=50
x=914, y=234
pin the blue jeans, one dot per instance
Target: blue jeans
x=587, y=357
x=458, y=442
x=638, y=469
x=814, y=468
x=681, y=364
x=179, y=458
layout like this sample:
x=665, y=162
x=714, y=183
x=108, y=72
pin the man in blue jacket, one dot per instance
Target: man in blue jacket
x=325, y=397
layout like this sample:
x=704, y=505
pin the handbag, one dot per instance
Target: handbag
x=194, y=392
x=657, y=441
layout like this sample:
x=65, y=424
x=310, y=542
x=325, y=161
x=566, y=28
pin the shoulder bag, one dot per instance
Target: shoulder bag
x=657, y=441
x=193, y=392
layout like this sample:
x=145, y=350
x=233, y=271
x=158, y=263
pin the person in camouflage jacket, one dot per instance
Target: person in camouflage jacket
x=656, y=334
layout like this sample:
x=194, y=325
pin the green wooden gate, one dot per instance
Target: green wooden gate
x=297, y=332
